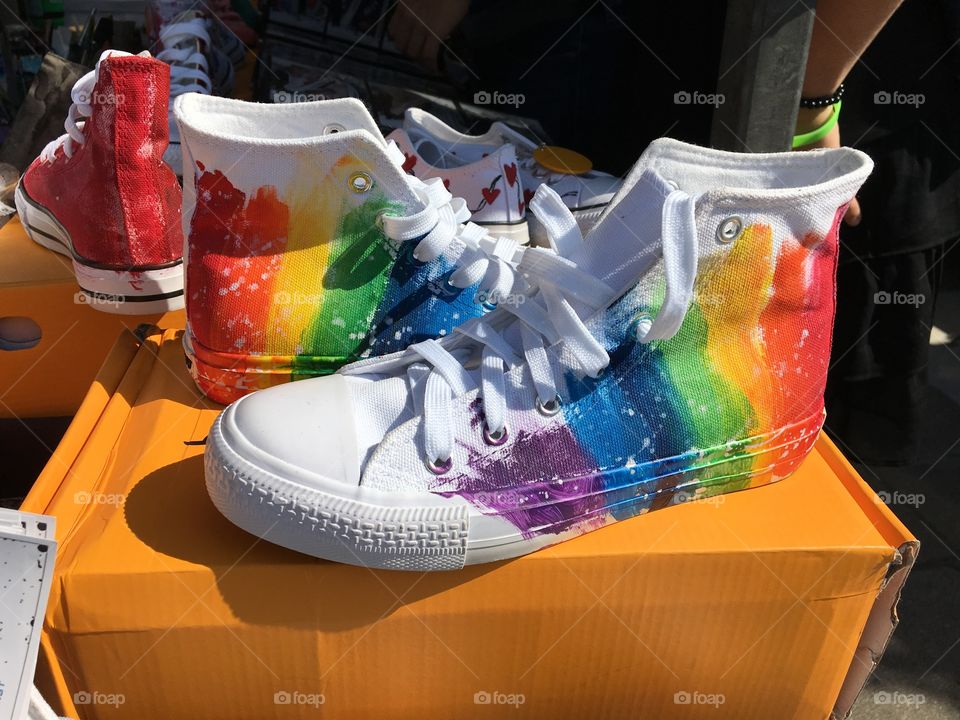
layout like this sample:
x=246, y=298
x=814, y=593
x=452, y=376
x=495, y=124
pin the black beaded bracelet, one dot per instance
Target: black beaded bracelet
x=823, y=100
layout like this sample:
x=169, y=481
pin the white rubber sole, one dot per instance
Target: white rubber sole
x=372, y=528
x=425, y=531
x=135, y=291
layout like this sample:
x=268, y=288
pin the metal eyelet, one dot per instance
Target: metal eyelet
x=730, y=229
x=332, y=128
x=549, y=408
x=495, y=438
x=483, y=299
x=440, y=467
x=641, y=326
x=360, y=182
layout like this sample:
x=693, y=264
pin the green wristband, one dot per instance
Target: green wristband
x=821, y=132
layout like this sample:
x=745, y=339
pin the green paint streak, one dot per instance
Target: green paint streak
x=353, y=286
x=716, y=411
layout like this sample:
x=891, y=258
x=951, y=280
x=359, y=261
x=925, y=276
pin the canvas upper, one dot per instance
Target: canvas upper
x=438, y=143
x=103, y=184
x=682, y=347
x=297, y=263
x=491, y=184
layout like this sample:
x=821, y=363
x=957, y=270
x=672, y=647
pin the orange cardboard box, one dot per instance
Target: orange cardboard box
x=51, y=378
x=771, y=603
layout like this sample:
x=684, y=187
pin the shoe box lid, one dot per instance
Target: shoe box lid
x=776, y=602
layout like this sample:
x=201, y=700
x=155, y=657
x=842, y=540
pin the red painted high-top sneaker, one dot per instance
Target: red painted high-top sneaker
x=102, y=194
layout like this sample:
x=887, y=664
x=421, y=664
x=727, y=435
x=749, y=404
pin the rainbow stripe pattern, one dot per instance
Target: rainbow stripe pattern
x=293, y=286
x=733, y=400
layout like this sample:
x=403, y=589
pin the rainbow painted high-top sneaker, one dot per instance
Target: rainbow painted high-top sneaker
x=681, y=351
x=308, y=246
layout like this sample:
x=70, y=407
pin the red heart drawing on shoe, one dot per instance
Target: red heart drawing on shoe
x=446, y=183
x=491, y=195
x=409, y=162
x=528, y=196
x=511, y=172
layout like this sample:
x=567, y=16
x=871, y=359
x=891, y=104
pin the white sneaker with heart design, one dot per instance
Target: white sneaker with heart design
x=679, y=351
x=491, y=185
x=584, y=190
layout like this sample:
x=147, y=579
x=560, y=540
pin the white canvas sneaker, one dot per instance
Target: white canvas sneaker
x=309, y=247
x=680, y=351
x=584, y=190
x=490, y=184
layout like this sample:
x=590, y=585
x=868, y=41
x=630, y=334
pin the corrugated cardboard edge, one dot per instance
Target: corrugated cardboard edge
x=883, y=618
x=881, y=623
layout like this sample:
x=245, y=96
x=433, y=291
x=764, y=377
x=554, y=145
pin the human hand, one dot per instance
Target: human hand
x=418, y=27
x=809, y=120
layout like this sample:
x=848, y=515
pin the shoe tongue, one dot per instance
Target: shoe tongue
x=626, y=240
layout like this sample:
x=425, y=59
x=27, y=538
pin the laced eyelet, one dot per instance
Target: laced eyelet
x=729, y=230
x=641, y=326
x=483, y=299
x=440, y=467
x=495, y=438
x=549, y=408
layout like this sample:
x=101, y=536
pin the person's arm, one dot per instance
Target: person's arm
x=843, y=29
x=418, y=27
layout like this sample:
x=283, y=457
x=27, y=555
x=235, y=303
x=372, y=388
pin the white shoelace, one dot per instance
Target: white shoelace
x=443, y=220
x=80, y=110
x=437, y=375
x=189, y=69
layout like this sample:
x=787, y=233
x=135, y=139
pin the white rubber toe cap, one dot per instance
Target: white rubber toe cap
x=303, y=432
